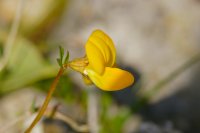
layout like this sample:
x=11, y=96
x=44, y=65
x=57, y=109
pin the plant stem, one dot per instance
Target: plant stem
x=93, y=103
x=155, y=89
x=172, y=76
x=46, y=102
x=12, y=34
x=80, y=128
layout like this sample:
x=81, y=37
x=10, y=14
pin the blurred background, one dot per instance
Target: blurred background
x=158, y=41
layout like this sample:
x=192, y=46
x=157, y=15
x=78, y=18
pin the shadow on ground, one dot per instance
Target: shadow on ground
x=181, y=110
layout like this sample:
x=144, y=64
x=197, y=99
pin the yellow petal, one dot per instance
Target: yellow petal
x=105, y=43
x=102, y=46
x=95, y=58
x=113, y=79
x=87, y=80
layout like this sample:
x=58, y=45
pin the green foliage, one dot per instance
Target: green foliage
x=25, y=66
x=66, y=90
x=112, y=122
x=60, y=60
x=66, y=58
x=61, y=52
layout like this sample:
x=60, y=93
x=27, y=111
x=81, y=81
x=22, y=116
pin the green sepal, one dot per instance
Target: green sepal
x=66, y=58
x=61, y=53
x=59, y=62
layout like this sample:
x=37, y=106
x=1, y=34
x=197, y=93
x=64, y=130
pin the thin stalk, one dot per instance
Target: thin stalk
x=12, y=35
x=172, y=76
x=155, y=89
x=81, y=128
x=93, y=103
x=47, y=100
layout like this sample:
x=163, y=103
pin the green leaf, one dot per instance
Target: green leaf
x=26, y=66
x=61, y=53
x=67, y=57
x=59, y=62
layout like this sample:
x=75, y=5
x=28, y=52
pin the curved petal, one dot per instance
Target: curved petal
x=113, y=79
x=87, y=80
x=105, y=43
x=102, y=46
x=95, y=58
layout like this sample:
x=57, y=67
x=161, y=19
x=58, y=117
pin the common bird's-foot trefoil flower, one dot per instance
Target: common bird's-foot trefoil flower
x=98, y=66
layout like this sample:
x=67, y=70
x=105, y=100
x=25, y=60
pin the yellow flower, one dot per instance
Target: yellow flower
x=99, y=64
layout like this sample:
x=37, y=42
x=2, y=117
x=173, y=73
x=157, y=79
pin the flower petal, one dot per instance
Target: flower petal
x=95, y=58
x=113, y=79
x=105, y=50
x=105, y=44
x=87, y=80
